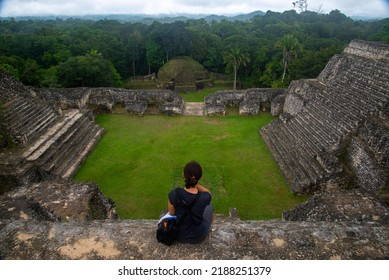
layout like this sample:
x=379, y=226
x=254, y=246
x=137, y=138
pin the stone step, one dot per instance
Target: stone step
x=291, y=179
x=75, y=147
x=16, y=106
x=324, y=125
x=306, y=162
x=60, y=152
x=306, y=133
x=328, y=119
x=193, y=109
x=26, y=120
x=27, y=116
x=41, y=124
x=51, y=135
x=71, y=170
x=287, y=162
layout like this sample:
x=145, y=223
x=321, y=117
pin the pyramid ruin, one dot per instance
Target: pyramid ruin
x=331, y=140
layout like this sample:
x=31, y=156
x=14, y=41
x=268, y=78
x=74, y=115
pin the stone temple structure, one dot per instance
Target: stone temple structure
x=331, y=140
x=334, y=130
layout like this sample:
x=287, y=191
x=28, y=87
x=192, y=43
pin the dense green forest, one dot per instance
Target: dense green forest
x=266, y=51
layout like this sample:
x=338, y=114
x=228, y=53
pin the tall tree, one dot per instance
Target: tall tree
x=235, y=58
x=154, y=55
x=87, y=71
x=135, y=45
x=290, y=47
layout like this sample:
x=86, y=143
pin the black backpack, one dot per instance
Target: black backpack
x=167, y=230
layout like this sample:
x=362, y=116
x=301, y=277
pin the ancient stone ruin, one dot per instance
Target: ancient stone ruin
x=107, y=99
x=334, y=129
x=330, y=140
x=183, y=74
x=250, y=102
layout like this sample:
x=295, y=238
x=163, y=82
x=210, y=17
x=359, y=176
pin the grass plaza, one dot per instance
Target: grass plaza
x=140, y=159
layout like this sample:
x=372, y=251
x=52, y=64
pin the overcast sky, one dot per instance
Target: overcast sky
x=372, y=8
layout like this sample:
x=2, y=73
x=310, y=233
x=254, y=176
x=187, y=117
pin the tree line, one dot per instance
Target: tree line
x=266, y=51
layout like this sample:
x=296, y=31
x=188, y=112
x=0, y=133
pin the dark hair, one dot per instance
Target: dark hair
x=192, y=174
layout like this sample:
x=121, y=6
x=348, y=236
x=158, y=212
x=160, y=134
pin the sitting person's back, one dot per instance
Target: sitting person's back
x=192, y=206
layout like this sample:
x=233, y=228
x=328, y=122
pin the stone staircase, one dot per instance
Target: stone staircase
x=25, y=119
x=46, y=145
x=302, y=142
x=61, y=149
x=193, y=109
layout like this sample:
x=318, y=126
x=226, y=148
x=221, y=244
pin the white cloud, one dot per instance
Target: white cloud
x=82, y=7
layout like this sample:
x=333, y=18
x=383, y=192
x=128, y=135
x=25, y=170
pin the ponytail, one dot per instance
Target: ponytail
x=191, y=182
x=192, y=174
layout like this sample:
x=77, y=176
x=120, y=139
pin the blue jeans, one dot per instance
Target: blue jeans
x=206, y=224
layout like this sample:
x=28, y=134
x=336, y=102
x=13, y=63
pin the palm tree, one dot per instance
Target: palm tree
x=93, y=52
x=290, y=47
x=235, y=57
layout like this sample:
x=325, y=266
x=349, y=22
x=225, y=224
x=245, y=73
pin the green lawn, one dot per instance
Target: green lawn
x=140, y=159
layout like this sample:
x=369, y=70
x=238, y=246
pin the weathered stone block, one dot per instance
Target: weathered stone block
x=368, y=174
x=340, y=205
x=136, y=107
x=65, y=98
x=247, y=108
x=330, y=162
x=285, y=117
x=215, y=109
x=375, y=133
x=370, y=50
x=263, y=94
x=305, y=89
x=53, y=201
x=101, y=100
x=293, y=104
x=230, y=98
x=277, y=105
x=171, y=109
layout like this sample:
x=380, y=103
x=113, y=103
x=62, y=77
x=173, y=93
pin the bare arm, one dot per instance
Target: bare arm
x=170, y=208
x=202, y=189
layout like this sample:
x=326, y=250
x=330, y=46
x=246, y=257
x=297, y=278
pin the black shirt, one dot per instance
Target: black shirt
x=190, y=227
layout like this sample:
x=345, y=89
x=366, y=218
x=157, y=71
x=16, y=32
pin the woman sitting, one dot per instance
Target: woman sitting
x=192, y=206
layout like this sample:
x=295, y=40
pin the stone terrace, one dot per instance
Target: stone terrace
x=230, y=239
x=321, y=115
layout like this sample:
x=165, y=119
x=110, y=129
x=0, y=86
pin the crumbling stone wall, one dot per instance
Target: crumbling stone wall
x=105, y=99
x=65, y=98
x=249, y=102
